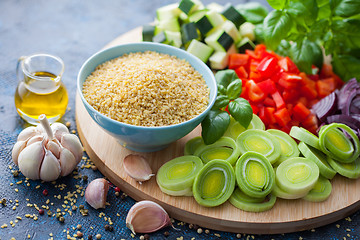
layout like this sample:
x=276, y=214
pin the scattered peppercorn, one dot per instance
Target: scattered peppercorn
x=3, y=201
x=191, y=226
x=94, y=168
x=79, y=226
x=45, y=192
x=61, y=219
x=16, y=173
x=195, y=227
x=81, y=206
x=98, y=236
x=166, y=233
x=90, y=237
x=74, y=208
x=41, y=211
x=79, y=234
x=146, y=236
x=199, y=230
x=85, y=178
x=117, y=189
x=207, y=231
x=117, y=194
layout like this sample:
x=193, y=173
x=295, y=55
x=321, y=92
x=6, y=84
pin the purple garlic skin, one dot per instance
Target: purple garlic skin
x=47, y=152
x=96, y=193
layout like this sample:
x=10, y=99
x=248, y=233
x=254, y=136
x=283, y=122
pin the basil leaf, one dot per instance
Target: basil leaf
x=345, y=8
x=221, y=101
x=253, y=12
x=277, y=4
x=277, y=25
x=234, y=89
x=241, y=111
x=318, y=30
x=346, y=66
x=303, y=11
x=321, y=3
x=225, y=77
x=283, y=48
x=305, y=53
x=324, y=12
x=214, y=125
x=221, y=90
x=348, y=30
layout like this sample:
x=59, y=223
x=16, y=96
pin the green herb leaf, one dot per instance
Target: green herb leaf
x=241, y=111
x=303, y=11
x=305, y=53
x=214, y=125
x=345, y=8
x=221, y=102
x=277, y=4
x=348, y=30
x=318, y=30
x=276, y=27
x=225, y=77
x=324, y=12
x=234, y=89
x=346, y=66
x=253, y=12
x=283, y=48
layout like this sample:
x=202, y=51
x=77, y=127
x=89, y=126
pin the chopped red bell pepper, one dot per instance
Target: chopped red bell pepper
x=238, y=59
x=300, y=111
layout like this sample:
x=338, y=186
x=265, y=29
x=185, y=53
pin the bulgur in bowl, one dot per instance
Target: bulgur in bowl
x=146, y=95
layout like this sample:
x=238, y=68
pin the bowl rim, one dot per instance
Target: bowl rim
x=148, y=48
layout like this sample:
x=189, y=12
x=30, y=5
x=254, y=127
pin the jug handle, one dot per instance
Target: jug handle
x=18, y=67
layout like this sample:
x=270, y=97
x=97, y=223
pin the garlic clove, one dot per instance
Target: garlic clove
x=18, y=147
x=67, y=162
x=59, y=129
x=50, y=167
x=27, y=133
x=137, y=167
x=54, y=147
x=96, y=193
x=30, y=159
x=146, y=217
x=34, y=139
x=72, y=142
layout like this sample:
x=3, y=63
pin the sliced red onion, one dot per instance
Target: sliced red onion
x=345, y=119
x=325, y=107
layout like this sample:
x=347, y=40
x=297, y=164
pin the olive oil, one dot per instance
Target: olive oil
x=41, y=93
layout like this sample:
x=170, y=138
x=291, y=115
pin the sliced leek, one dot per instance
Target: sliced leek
x=192, y=145
x=280, y=193
x=214, y=184
x=288, y=145
x=251, y=204
x=176, y=177
x=319, y=158
x=305, y=136
x=260, y=141
x=320, y=192
x=297, y=175
x=235, y=128
x=254, y=175
x=225, y=148
x=349, y=170
x=334, y=141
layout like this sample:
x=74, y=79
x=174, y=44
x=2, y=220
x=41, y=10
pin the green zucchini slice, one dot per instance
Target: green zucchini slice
x=254, y=175
x=334, y=143
x=214, y=184
x=288, y=145
x=225, y=149
x=319, y=158
x=250, y=204
x=235, y=128
x=349, y=170
x=259, y=141
x=305, y=136
x=192, y=145
x=176, y=176
x=233, y=15
x=297, y=175
x=320, y=192
x=200, y=50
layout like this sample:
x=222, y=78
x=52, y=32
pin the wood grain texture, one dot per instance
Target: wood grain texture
x=285, y=216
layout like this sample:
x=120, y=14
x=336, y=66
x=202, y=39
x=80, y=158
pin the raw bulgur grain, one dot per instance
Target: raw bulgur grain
x=147, y=89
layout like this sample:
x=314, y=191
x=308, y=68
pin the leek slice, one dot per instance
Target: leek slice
x=260, y=141
x=280, y=193
x=192, y=145
x=214, y=184
x=297, y=175
x=319, y=158
x=288, y=145
x=225, y=149
x=235, y=128
x=251, y=204
x=349, y=170
x=305, y=136
x=176, y=176
x=334, y=141
x=320, y=192
x=254, y=175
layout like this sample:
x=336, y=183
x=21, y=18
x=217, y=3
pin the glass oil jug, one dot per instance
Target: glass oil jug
x=40, y=89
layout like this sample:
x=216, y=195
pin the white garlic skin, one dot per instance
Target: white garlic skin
x=96, y=193
x=137, y=167
x=42, y=156
x=147, y=217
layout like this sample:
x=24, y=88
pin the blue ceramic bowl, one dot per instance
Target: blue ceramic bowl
x=138, y=138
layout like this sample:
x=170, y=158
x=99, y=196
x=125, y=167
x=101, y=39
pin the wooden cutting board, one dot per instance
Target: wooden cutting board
x=285, y=216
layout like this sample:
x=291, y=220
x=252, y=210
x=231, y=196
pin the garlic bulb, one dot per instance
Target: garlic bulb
x=137, y=167
x=46, y=152
x=146, y=217
x=96, y=193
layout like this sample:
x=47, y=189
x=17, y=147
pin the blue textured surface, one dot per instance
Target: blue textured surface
x=74, y=30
